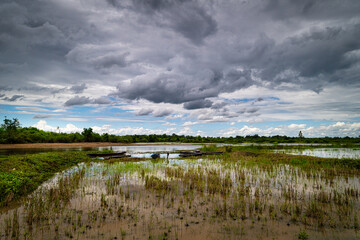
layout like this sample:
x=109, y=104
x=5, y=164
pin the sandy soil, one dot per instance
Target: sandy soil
x=65, y=145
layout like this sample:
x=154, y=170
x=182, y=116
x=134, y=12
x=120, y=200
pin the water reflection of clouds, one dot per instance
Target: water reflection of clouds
x=324, y=152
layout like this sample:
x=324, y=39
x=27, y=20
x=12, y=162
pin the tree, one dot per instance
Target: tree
x=88, y=134
x=10, y=128
x=301, y=135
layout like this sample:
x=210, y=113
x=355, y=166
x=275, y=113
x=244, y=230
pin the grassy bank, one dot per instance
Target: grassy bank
x=22, y=174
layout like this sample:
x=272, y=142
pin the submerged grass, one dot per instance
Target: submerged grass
x=263, y=155
x=242, y=193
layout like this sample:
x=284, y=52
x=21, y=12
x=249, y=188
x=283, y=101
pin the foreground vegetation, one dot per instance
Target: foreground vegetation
x=11, y=132
x=22, y=174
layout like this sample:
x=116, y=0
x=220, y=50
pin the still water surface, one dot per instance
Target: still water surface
x=134, y=150
x=352, y=153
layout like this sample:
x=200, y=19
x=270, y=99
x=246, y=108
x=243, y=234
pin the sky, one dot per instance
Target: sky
x=192, y=67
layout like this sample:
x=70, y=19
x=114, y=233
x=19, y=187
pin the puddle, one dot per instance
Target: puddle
x=352, y=153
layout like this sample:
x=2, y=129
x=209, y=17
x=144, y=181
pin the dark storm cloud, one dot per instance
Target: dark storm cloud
x=34, y=38
x=198, y=104
x=174, y=88
x=187, y=18
x=78, y=88
x=175, y=51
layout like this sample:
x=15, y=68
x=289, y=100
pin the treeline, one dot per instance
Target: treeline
x=11, y=132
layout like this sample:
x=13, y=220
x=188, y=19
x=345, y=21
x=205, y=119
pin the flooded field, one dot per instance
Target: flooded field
x=234, y=196
x=352, y=153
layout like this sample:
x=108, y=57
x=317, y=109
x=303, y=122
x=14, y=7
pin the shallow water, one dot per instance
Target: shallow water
x=187, y=199
x=133, y=149
x=352, y=153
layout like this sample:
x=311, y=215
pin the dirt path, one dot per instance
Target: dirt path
x=65, y=145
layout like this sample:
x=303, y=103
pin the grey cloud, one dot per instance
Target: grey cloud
x=169, y=88
x=198, y=104
x=219, y=105
x=241, y=111
x=204, y=117
x=162, y=112
x=193, y=23
x=13, y=98
x=313, y=59
x=101, y=100
x=5, y=88
x=33, y=88
x=252, y=110
x=111, y=61
x=144, y=112
x=98, y=57
x=312, y=9
x=2, y=95
x=76, y=101
x=78, y=88
x=176, y=88
x=41, y=116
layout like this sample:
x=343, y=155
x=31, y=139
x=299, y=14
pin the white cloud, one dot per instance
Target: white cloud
x=69, y=128
x=168, y=124
x=75, y=119
x=188, y=124
x=296, y=126
x=337, y=129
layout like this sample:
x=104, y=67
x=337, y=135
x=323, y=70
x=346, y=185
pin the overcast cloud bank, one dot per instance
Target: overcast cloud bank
x=208, y=61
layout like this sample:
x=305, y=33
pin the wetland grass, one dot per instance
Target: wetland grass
x=240, y=194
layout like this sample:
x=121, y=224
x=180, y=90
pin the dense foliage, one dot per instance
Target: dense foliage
x=12, y=132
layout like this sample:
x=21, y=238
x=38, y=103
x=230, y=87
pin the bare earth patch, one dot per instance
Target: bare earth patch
x=66, y=145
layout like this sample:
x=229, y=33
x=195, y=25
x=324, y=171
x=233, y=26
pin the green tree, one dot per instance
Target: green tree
x=10, y=128
x=301, y=135
x=88, y=134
